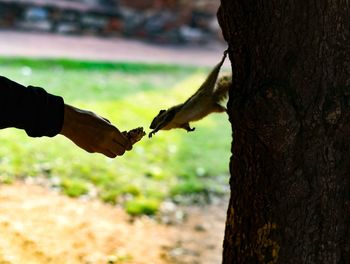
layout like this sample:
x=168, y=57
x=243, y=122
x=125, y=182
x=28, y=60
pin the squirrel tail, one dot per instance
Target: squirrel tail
x=222, y=87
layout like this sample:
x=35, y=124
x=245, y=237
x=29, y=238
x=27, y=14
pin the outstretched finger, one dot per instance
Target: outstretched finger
x=108, y=153
x=116, y=148
x=123, y=140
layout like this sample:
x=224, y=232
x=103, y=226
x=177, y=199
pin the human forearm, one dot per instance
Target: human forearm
x=42, y=114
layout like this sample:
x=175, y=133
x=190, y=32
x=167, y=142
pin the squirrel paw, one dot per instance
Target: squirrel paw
x=152, y=133
x=187, y=127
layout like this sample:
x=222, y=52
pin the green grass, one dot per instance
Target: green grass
x=129, y=95
x=142, y=205
x=74, y=187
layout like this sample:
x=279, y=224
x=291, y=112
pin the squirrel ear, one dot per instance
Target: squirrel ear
x=162, y=111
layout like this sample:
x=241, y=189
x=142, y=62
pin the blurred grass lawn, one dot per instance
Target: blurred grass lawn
x=129, y=95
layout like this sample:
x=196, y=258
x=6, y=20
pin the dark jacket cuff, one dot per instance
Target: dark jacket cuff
x=49, y=119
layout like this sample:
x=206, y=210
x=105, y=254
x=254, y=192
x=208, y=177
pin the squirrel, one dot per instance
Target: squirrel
x=205, y=101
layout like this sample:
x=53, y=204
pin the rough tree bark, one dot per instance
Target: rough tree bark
x=289, y=109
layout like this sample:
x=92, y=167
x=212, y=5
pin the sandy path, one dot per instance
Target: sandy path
x=39, y=226
x=107, y=49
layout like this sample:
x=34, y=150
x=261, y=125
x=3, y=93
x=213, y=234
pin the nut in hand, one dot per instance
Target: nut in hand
x=135, y=135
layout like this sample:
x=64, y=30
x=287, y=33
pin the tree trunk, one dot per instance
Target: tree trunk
x=289, y=109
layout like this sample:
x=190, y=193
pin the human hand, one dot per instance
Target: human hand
x=93, y=133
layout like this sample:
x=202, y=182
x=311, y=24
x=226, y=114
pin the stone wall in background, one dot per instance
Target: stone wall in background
x=161, y=21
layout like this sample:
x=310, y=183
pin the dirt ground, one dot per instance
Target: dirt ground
x=40, y=226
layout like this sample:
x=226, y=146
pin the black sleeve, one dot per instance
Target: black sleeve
x=30, y=108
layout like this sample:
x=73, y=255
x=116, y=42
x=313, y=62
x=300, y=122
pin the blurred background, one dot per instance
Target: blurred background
x=161, y=21
x=163, y=202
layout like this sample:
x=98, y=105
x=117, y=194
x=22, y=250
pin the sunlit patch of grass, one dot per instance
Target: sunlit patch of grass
x=86, y=65
x=110, y=195
x=188, y=187
x=171, y=162
x=6, y=179
x=74, y=187
x=142, y=205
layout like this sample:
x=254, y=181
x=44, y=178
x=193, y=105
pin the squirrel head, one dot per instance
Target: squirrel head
x=165, y=117
x=158, y=119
